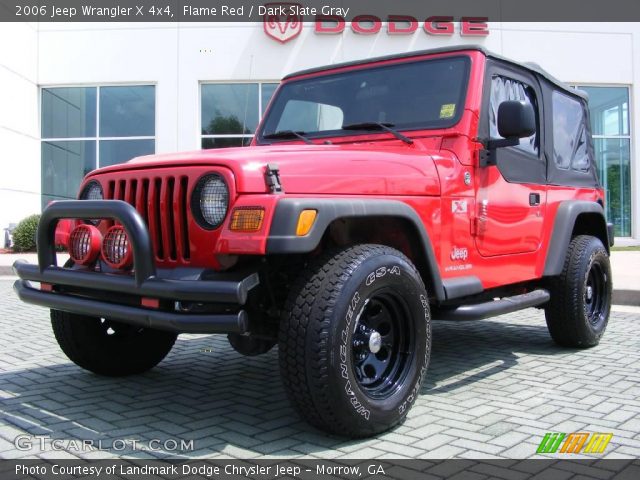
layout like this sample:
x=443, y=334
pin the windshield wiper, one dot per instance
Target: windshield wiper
x=378, y=126
x=289, y=134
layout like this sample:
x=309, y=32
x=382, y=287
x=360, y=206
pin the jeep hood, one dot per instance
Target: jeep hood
x=365, y=169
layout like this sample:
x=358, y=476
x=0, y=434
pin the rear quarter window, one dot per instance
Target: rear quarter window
x=570, y=147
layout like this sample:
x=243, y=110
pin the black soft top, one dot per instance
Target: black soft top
x=533, y=67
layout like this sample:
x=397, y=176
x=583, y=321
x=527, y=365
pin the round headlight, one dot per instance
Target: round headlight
x=93, y=191
x=210, y=201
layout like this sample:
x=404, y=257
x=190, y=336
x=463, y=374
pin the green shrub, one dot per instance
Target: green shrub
x=24, y=235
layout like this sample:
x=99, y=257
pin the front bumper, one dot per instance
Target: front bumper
x=96, y=293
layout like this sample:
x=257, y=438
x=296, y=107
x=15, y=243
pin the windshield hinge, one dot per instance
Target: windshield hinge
x=272, y=178
x=486, y=157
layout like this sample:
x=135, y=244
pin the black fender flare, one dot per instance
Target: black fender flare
x=283, y=239
x=563, y=225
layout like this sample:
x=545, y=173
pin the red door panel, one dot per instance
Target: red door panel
x=506, y=222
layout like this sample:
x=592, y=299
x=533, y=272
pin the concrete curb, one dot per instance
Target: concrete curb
x=626, y=297
x=6, y=271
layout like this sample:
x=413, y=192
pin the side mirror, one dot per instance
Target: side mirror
x=516, y=119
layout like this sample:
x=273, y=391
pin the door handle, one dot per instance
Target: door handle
x=534, y=199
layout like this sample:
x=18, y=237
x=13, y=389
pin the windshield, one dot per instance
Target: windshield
x=408, y=96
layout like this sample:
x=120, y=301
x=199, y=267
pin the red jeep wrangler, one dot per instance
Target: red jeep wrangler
x=376, y=196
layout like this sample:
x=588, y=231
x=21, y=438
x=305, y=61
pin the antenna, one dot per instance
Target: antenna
x=246, y=98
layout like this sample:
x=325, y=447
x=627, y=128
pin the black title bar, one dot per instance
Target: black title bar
x=314, y=10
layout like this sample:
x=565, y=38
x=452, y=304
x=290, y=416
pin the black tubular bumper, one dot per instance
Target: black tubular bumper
x=96, y=293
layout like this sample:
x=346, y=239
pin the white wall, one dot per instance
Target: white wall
x=19, y=128
x=177, y=57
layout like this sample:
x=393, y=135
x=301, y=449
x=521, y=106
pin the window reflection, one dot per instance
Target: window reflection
x=113, y=152
x=228, y=109
x=75, y=141
x=64, y=164
x=68, y=112
x=609, y=112
x=127, y=111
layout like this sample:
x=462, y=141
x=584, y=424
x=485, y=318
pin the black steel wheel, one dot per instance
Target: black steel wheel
x=381, y=344
x=578, y=312
x=596, y=298
x=355, y=340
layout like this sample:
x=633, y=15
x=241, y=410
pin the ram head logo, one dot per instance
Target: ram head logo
x=283, y=27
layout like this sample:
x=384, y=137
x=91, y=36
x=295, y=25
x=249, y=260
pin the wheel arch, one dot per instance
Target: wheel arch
x=375, y=221
x=574, y=217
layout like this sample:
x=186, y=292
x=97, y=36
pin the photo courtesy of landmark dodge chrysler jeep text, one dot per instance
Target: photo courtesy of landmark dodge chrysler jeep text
x=376, y=196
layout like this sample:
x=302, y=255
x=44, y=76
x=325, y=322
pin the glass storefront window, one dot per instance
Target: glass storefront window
x=614, y=167
x=230, y=112
x=64, y=164
x=230, y=108
x=224, y=142
x=268, y=89
x=69, y=112
x=119, y=151
x=609, y=111
x=609, y=107
x=84, y=128
x=127, y=111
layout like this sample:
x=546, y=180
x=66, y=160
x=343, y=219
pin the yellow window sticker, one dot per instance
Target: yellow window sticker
x=447, y=110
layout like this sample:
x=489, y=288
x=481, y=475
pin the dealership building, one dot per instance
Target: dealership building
x=77, y=96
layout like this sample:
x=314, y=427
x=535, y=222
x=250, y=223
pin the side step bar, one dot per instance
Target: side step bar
x=479, y=311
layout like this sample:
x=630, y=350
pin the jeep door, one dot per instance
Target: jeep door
x=511, y=193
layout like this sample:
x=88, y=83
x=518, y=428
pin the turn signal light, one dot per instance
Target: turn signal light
x=84, y=244
x=246, y=219
x=305, y=222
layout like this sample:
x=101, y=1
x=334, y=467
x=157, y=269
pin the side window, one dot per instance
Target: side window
x=503, y=89
x=569, y=133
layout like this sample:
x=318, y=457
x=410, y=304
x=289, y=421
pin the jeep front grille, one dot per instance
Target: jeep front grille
x=162, y=203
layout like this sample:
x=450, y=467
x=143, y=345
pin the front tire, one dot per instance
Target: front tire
x=107, y=347
x=578, y=312
x=355, y=340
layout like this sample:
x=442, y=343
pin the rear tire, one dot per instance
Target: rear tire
x=578, y=312
x=107, y=347
x=355, y=340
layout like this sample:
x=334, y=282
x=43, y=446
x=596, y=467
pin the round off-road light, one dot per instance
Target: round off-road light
x=210, y=201
x=84, y=244
x=116, y=249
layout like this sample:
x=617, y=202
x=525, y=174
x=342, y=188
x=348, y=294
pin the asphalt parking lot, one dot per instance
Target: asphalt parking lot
x=494, y=388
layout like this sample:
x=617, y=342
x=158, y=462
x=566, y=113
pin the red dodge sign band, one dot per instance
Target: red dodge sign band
x=283, y=22
x=402, y=25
